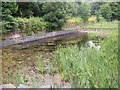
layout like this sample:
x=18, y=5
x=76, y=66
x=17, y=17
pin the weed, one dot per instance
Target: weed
x=87, y=67
x=104, y=24
x=40, y=65
x=18, y=79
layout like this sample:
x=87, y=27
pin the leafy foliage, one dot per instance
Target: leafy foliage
x=84, y=11
x=95, y=7
x=55, y=14
x=28, y=9
x=31, y=25
x=106, y=12
x=115, y=8
x=74, y=19
x=8, y=9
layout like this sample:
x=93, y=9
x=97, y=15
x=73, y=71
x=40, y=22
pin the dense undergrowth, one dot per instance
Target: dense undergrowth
x=83, y=67
x=39, y=25
x=31, y=25
x=86, y=67
x=77, y=22
x=24, y=25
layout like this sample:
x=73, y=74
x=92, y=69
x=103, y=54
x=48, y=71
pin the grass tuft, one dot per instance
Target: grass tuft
x=88, y=68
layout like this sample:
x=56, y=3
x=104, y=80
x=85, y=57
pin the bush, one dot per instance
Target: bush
x=84, y=11
x=56, y=14
x=31, y=25
x=75, y=19
x=106, y=12
x=92, y=19
x=8, y=25
x=79, y=20
x=24, y=25
x=88, y=67
x=8, y=21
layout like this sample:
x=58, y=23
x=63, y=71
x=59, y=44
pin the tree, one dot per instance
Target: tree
x=84, y=11
x=37, y=9
x=106, y=11
x=98, y=16
x=24, y=9
x=115, y=9
x=74, y=8
x=56, y=14
x=8, y=9
x=95, y=7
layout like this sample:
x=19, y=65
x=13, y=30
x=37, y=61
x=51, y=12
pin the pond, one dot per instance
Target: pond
x=21, y=65
x=30, y=65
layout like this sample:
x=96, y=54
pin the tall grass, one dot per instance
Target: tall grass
x=103, y=24
x=92, y=23
x=87, y=67
x=19, y=78
x=40, y=65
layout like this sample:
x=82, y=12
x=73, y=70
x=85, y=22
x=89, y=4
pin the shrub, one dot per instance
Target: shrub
x=37, y=24
x=92, y=19
x=31, y=25
x=56, y=14
x=75, y=19
x=106, y=12
x=8, y=26
x=8, y=21
x=84, y=11
x=24, y=25
x=79, y=20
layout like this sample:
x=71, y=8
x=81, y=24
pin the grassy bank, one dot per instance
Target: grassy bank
x=74, y=22
x=104, y=24
x=88, y=67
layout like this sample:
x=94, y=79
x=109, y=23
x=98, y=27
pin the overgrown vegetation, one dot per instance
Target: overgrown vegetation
x=33, y=24
x=84, y=11
x=75, y=22
x=8, y=22
x=19, y=78
x=102, y=24
x=27, y=26
x=81, y=65
x=87, y=67
x=40, y=65
x=54, y=13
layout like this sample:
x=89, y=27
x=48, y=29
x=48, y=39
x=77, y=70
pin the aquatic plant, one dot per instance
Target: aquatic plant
x=88, y=68
x=40, y=65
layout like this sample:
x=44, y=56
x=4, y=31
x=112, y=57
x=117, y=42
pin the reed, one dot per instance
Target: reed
x=87, y=67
